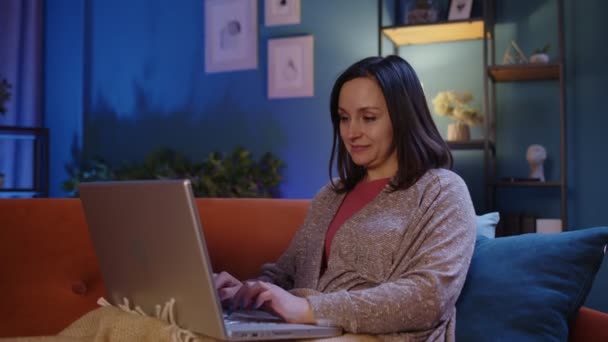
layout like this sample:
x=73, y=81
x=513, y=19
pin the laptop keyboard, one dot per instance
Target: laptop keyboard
x=251, y=316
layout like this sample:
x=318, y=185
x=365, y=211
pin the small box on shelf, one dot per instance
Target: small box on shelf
x=548, y=225
x=515, y=224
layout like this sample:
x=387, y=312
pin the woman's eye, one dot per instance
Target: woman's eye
x=343, y=118
x=369, y=118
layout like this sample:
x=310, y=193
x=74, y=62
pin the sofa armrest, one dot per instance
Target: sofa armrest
x=589, y=326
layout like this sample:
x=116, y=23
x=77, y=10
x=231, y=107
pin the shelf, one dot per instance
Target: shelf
x=469, y=145
x=529, y=184
x=435, y=33
x=524, y=72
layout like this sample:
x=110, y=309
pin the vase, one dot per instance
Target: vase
x=539, y=58
x=459, y=131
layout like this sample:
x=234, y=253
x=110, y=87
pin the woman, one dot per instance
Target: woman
x=385, y=248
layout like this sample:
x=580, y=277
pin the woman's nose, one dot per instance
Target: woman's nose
x=354, y=129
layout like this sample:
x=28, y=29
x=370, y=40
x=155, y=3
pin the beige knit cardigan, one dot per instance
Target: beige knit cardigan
x=396, y=266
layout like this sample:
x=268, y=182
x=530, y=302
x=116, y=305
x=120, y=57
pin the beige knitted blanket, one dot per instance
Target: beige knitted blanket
x=123, y=323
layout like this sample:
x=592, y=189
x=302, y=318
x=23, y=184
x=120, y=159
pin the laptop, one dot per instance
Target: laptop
x=150, y=248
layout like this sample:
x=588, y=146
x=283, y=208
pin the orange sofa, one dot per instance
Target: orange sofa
x=49, y=275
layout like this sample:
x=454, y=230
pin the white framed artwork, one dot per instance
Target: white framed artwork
x=282, y=12
x=460, y=9
x=231, y=35
x=291, y=67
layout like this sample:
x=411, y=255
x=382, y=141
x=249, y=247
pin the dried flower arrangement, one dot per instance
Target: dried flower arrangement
x=454, y=105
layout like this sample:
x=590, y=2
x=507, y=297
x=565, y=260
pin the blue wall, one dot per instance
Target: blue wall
x=64, y=85
x=587, y=73
x=126, y=77
x=149, y=88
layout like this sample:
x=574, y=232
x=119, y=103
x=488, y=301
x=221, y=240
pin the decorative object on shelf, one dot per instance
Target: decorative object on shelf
x=460, y=9
x=231, y=35
x=424, y=11
x=458, y=131
x=510, y=58
x=235, y=175
x=548, y=226
x=281, y=12
x=540, y=55
x=536, y=156
x=291, y=67
x=455, y=106
x=5, y=95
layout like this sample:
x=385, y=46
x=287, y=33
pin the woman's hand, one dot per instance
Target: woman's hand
x=226, y=286
x=257, y=294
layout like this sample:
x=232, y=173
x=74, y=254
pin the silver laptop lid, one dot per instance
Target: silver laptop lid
x=147, y=237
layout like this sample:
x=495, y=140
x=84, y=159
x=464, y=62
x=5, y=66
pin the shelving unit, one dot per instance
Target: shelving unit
x=526, y=73
x=440, y=32
x=483, y=28
x=528, y=184
x=475, y=144
x=450, y=31
x=40, y=138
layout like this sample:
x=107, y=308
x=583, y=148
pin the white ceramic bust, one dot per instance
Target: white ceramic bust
x=536, y=156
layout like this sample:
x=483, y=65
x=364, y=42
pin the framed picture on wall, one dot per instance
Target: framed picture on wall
x=231, y=35
x=282, y=12
x=290, y=67
x=460, y=9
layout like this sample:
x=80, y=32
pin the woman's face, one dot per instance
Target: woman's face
x=366, y=128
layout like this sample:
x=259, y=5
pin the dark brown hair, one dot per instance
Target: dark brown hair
x=416, y=139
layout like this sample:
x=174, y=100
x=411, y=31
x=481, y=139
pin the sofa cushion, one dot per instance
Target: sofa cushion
x=486, y=224
x=528, y=287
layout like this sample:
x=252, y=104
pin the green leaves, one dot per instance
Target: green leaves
x=234, y=175
x=89, y=171
x=544, y=49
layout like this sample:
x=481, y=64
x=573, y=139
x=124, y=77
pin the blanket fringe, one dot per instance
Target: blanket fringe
x=164, y=313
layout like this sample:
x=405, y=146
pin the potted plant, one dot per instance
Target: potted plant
x=540, y=55
x=234, y=175
x=455, y=106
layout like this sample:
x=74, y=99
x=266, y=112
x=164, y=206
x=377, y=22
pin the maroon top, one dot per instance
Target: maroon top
x=363, y=193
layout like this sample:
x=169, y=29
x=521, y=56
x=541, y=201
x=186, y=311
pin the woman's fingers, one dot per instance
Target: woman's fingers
x=226, y=293
x=256, y=294
x=248, y=293
x=225, y=279
x=262, y=298
x=226, y=286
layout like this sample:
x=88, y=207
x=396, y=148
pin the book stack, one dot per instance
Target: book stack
x=515, y=224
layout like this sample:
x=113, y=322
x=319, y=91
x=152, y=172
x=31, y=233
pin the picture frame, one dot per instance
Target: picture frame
x=231, y=35
x=291, y=67
x=460, y=9
x=282, y=12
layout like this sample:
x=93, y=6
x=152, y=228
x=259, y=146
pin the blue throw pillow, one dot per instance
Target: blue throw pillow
x=528, y=287
x=486, y=224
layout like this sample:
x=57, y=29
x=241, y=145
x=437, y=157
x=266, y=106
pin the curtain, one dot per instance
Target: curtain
x=21, y=60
